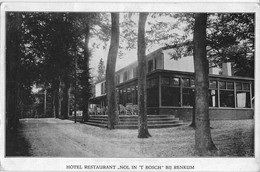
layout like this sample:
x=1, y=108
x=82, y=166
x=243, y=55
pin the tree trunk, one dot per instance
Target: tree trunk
x=56, y=98
x=193, y=123
x=110, y=72
x=203, y=141
x=65, y=105
x=53, y=103
x=86, y=60
x=142, y=95
x=75, y=88
x=59, y=99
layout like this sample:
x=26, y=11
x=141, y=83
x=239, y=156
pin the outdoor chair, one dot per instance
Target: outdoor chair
x=98, y=111
x=122, y=110
x=130, y=109
x=91, y=111
x=135, y=109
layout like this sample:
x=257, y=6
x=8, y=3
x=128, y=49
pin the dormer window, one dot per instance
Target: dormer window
x=117, y=79
x=126, y=76
x=103, y=88
x=150, y=65
x=135, y=71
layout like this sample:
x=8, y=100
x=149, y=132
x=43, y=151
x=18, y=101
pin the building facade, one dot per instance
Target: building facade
x=170, y=88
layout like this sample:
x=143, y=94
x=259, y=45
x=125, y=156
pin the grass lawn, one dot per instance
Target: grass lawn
x=231, y=137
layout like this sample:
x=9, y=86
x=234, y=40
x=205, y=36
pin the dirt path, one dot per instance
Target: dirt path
x=62, y=138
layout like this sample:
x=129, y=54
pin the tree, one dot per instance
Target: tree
x=230, y=38
x=110, y=72
x=50, y=42
x=13, y=66
x=203, y=141
x=142, y=96
x=84, y=76
x=101, y=70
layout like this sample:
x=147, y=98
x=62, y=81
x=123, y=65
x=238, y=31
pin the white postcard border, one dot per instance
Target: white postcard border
x=199, y=163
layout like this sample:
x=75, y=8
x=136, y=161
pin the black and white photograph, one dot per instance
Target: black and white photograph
x=129, y=87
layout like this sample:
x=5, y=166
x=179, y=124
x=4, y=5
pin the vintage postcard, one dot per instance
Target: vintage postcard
x=129, y=86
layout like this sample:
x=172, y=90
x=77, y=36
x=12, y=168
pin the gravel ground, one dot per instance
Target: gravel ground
x=62, y=138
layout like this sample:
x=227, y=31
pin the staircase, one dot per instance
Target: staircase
x=98, y=120
x=131, y=122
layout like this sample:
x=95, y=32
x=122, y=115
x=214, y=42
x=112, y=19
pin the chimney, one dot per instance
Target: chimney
x=226, y=69
x=214, y=70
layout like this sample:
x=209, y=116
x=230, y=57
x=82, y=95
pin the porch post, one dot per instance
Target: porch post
x=181, y=99
x=218, y=93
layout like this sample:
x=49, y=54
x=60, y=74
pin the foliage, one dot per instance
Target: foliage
x=161, y=29
x=231, y=39
x=48, y=46
x=18, y=88
x=101, y=70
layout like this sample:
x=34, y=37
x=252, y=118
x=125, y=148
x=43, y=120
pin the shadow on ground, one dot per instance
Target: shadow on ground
x=16, y=143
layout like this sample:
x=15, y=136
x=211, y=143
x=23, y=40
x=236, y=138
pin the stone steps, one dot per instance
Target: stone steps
x=149, y=126
x=131, y=122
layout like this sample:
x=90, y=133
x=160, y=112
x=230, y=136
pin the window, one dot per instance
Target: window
x=230, y=85
x=121, y=97
x=243, y=99
x=213, y=93
x=170, y=91
x=150, y=65
x=117, y=95
x=170, y=96
x=188, y=96
x=192, y=83
x=103, y=88
x=152, y=83
x=165, y=81
x=187, y=92
x=124, y=96
x=246, y=86
x=117, y=79
x=185, y=82
x=239, y=86
x=226, y=92
x=155, y=63
x=227, y=98
x=243, y=95
x=125, y=76
x=213, y=98
x=175, y=81
x=212, y=84
x=129, y=95
x=153, y=92
x=134, y=95
x=222, y=85
x=135, y=72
